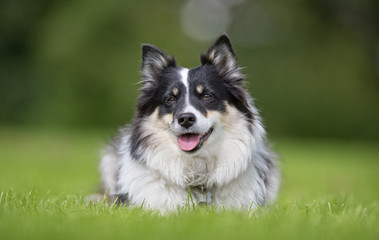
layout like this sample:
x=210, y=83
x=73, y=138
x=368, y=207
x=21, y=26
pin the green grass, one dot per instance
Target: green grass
x=329, y=191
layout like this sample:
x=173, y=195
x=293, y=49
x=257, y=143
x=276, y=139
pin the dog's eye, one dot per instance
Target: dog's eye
x=170, y=100
x=207, y=97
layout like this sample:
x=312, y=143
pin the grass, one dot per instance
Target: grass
x=329, y=191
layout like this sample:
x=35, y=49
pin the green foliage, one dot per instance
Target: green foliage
x=329, y=191
x=76, y=63
x=32, y=216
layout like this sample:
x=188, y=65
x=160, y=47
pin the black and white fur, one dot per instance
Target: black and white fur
x=146, y=165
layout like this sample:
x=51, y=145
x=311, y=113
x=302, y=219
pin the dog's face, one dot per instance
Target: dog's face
x=191, y=102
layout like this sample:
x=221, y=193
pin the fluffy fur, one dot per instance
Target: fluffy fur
x=195, y=129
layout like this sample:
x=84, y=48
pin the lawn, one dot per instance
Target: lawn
x=329, y=191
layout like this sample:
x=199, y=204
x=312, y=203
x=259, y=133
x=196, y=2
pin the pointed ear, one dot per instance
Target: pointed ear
x=221, y=55
x=154, y=61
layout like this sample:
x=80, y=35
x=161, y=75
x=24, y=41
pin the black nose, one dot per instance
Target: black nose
x=186, y=119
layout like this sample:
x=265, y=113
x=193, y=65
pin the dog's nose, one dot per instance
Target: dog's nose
x=186, y=119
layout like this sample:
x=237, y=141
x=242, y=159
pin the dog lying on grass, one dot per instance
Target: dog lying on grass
x=195, y=130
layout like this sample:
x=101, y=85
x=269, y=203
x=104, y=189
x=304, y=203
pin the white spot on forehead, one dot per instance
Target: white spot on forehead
x=184, y=75
x=188, y=107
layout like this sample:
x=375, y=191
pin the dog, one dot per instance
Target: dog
x=196, y=135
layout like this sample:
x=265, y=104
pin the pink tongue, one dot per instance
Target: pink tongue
x=188, y=142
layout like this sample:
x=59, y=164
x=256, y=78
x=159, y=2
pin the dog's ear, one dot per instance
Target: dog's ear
x=154, y=60
x=221, y=55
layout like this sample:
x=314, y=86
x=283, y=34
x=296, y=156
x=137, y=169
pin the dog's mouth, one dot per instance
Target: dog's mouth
x=191, y=142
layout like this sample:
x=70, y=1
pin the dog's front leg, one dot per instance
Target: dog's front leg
x=244, y=192
x=147, y=188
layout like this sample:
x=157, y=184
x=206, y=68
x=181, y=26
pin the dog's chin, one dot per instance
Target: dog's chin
x=192, y=142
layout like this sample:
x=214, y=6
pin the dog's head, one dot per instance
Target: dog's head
x=189, y=103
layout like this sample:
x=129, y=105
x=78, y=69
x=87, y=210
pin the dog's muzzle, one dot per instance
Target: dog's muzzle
x=191, y=142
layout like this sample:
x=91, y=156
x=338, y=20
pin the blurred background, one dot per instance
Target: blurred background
x=312, y=66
